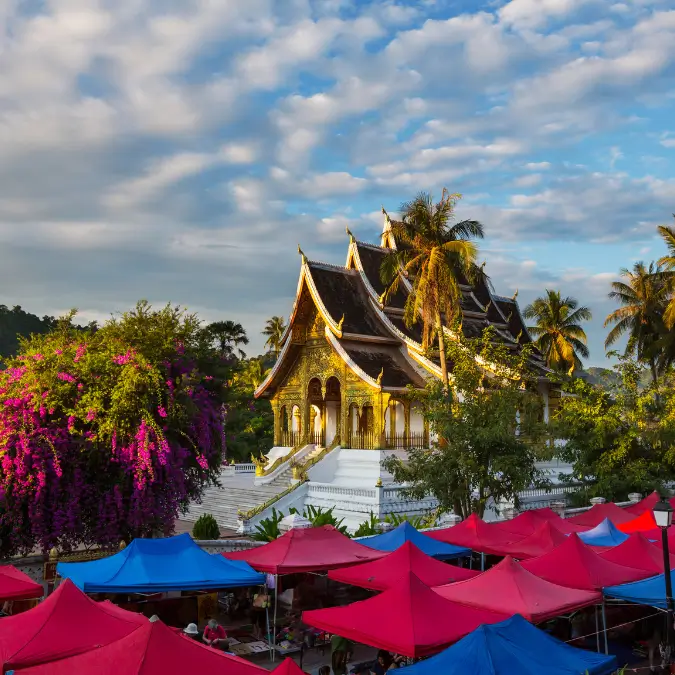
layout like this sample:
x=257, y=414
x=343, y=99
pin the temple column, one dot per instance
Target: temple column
x=276, y=408
x=406, y=423
x=297, y=422
x=312, y=418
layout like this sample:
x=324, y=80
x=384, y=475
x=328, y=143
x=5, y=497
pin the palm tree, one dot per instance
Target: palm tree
x=643, y=296
x=274, y=330
x=227, y=335
x=558, y=332
x=433, y=255
x=253, y=373
x=668, y=264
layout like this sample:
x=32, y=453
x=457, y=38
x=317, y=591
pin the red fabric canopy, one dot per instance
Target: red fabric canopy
x=477, y=535
x=153, y=649
x=382, y=574
x=575, y=565
x=643, y=523
x=307, y=550
x=510, y=589
x=544, y=539
x=638, y=552
x=646, y=504
x=523, y=524
x=66, y=623
x=597, y=513
x=408, y=619
x=288, y=667
x=15, y=585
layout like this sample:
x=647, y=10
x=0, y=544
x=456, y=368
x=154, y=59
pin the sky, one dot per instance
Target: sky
x=180, y=150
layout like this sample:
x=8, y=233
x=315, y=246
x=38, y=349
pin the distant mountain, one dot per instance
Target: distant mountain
x=603, y=377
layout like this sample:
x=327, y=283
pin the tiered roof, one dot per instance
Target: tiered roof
x=370, y=335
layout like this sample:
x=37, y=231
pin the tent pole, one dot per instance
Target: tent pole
x=597, y=629
x=267, y=621
x=604, y=624
x=482, y=562
x=276, y=603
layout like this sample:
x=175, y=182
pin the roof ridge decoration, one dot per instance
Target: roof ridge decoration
x=335, y=343
x=273, y=370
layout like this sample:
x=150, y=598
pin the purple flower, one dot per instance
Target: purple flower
x=161, y=411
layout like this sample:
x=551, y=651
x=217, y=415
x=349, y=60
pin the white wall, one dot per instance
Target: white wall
x=416, y=418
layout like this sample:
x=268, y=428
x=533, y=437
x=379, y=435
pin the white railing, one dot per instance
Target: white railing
x=245, y=467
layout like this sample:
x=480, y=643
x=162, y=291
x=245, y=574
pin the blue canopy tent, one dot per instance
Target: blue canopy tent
x=650, y=591
x=390, y=541
x=513, y=647
x=157, y=565
x=603, y=534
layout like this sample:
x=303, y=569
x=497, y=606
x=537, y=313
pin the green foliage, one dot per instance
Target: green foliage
x=368, y=528
x=395, y=519
x=487, y=444
x=206, y=528
x=619, y=440
x=268, y=528
x=320, y=517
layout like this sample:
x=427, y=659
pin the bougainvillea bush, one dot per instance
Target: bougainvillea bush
x=107, y=435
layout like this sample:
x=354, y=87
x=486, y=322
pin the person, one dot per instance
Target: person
x=383, y=663
x=191, y=631
x=215, y=635
x=324, y=670
x=261, y=603
x=341, y=651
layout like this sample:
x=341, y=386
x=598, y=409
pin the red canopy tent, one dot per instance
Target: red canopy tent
x=576, y=565
x=288, y=667
x=510, y=589
x=476, y=534
x=382, y=574
x=646, y=504
x=15, y=585
x=544, y=539
x=597, y=513
x=312, y=549
x=638, y=552
x=153, y=649
x=66, y=623
x=642, y=523
x=408, y=619
x=523, y=524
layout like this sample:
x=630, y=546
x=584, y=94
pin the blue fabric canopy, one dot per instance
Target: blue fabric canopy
x=513, y=647
x=390, y=541
x=156, y=565
x=650, y=591
x=603, y=534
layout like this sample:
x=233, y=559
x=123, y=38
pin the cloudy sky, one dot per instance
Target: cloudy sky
x=179, y=150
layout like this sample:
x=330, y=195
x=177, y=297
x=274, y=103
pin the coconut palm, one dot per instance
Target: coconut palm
x=668, y=264
x=274, y=330
x=253, y=373
x=227, y=335
x=557, y=329
x=433, y=254
x=643, y=297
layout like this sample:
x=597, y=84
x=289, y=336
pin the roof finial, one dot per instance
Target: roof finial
x=340, y=322
x=487, y=307
x=379, y=377
x=351, y=236
x=482, y=265
x=519, y=335
x=304, y=257
x=515, y=295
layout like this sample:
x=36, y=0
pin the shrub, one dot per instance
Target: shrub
x=206, y=528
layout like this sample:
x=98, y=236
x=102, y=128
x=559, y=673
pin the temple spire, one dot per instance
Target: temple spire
x=304, y=257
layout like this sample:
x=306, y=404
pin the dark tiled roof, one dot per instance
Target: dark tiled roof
x=516, y=325
x=371, y=258
x=373, y=363
x=414, y=332
x=342, y=293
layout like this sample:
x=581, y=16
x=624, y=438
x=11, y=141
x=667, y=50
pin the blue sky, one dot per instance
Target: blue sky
x=179, y=151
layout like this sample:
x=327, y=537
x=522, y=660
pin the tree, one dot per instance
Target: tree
x=252, y=373
x=274, y=330
x=558, y=332
x=227, y=336
x=489, y=436
x=668, y=264
x=107, y=435
x=643, y=296
x=619, y=439
x=433, y=255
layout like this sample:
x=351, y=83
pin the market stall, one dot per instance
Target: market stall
x=604, y=534
x=638, y=552
x=646, y=504
x=528, y=522
x=643, y=523
x=513, y=646
x=408, y=619
x=66, y=623
x=386, y=572
x=405, y=532
x=598, y=512
x=544, y=539
x=15, y=585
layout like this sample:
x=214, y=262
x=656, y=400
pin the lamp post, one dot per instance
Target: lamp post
x=663, y=515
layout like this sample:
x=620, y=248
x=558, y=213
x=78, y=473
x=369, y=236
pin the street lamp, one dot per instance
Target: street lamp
x=663, y=515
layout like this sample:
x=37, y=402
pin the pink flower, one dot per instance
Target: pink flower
x=65, y=377
x=80, y=385
x=121, y=359
x=38, y=357
x=81, y=349
x=58, y=352
x=161, y=411
x=91, y=414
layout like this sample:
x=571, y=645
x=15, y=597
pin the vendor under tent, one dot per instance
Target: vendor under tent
x=15, y=585
x=513, y=646
x=409, y=619
x=390, y=541
x=650, y=592
x=544, y=539
x=576, y=565
x=67, y=622
x=508, y=588
x=638, y=552
x=313, y=549
x=605, y=534
x=646, y=504
x=153, y=649
x=476, y=534
x=386, y=572
x=158, y=565
x=642, y=523
x=597, y=513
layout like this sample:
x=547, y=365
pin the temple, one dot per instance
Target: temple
x=342, y=391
